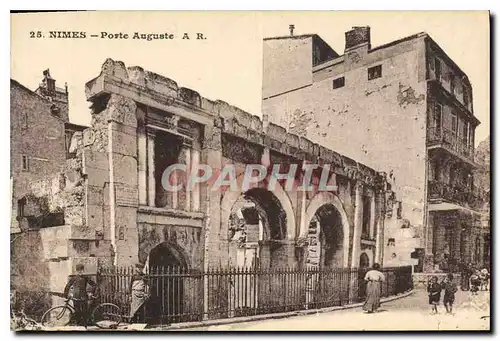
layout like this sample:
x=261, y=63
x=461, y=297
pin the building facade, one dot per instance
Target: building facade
x=37, y=121
x=405, y=107
x=116, y=210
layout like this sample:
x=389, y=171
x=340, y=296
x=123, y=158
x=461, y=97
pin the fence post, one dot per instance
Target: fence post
x=205, y=274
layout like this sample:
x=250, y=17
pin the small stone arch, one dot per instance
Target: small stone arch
x=365, y=260
x=319, y=200
x=230, y=197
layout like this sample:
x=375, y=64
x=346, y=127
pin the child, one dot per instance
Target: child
x=434, y=291
x=450, y=288
x=484, y=277
x=475, y=282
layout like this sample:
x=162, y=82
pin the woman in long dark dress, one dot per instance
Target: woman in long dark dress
x=374, y=280
x=139, y=291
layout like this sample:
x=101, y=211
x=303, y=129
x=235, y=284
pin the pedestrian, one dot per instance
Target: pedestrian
x=434, y=292
x=464, y=277
x=484, y=277
x=139, y=290
x=81, y=295
x=450, y=288
x=475, y=282
x=374, y=279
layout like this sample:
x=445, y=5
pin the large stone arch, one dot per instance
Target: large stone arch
x=319, y=200
x=231, y=196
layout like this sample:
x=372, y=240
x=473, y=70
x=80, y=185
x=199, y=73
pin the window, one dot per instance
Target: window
x=465, y=132
x=471, y=136
x=375, y=72
x=466, y=98
x=454, y=123
x=438, y=115
x=25, y=165
x=338, y=83
x=399, y=210
x=437, y=63
x=24, y=121
x=452, y=84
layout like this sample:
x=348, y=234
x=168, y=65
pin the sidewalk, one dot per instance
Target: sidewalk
x=409, y=313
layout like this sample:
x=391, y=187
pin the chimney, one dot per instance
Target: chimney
x=291, y=27
x=49, y=82
x=359, y=35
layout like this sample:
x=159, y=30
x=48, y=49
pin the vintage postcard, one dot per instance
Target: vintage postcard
x=250, y=171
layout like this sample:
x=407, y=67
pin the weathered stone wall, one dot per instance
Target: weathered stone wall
x=287, y=65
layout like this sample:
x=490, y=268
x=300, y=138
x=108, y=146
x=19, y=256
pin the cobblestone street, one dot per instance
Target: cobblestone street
x=410, y=313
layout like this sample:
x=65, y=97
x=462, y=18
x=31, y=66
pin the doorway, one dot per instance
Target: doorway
x=167, y=290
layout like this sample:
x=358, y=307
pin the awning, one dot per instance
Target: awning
x=446, y=206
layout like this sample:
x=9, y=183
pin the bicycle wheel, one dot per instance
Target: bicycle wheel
x=59, y=316
x=107, y=316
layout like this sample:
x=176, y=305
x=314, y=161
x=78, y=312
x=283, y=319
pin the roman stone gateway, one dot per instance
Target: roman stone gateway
x=143, y=123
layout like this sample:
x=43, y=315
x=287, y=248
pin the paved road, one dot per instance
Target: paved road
x=409, y=313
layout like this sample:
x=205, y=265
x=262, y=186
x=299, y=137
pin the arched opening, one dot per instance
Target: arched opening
x=257, y=224
x=364, y=261
x=326, y=237
x=167, y=292
x=257, y=228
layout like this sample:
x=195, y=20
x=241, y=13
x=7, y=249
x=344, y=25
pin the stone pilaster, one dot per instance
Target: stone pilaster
x=212, y=154
x=215, y=250
x=379, y=226
x=123, y=171
x=185, y=204
x=151, y=134
x=195, y=195
x=373, y=213
x=358, y=222
x=142, y=159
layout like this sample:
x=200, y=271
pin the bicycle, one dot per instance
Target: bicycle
x=104, y=315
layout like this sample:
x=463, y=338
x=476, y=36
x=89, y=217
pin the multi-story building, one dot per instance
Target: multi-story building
x=404, y=106
x=37, y=121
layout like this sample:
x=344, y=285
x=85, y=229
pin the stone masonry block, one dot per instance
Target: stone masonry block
x=292, y=140
x=126, y=217
x=97, y=177
x=208, y=105
x=122, y=110
x=95, y=195
x=95, y=217
x=125, y=169
x=94, y=159
x=74, y=215
x=136, y=75
x=276, y=132
x=124, y=139
x=161, y=84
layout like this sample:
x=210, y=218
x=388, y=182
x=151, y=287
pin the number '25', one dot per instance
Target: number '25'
x=36, y=34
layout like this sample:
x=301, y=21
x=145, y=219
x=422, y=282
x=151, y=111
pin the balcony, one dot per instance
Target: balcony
x=447, y=139
x=460, y=195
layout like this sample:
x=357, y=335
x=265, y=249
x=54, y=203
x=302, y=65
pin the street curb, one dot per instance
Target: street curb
x=206, y=323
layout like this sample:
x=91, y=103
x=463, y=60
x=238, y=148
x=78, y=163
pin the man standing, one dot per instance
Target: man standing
x=80, y=295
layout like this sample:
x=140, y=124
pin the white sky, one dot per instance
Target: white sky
x=228, y=64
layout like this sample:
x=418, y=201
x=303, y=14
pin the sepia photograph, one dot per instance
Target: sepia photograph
x=250, y=171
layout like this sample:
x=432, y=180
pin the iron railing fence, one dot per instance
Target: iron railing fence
x=180, y=295
x=451, y=140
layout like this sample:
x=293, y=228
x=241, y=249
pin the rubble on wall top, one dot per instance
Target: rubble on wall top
x=238, y=122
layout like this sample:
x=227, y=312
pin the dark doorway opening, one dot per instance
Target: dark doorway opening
x=167, y=290
x=364, y=264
